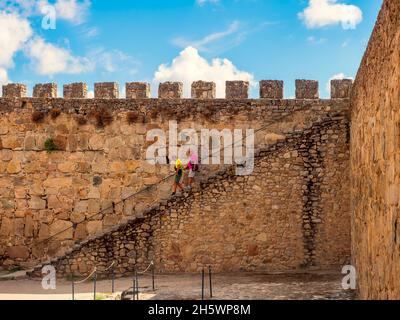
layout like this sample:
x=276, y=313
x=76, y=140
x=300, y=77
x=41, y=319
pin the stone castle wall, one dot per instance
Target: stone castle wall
x=101, y=160
x=292, y=213
x=375, y=161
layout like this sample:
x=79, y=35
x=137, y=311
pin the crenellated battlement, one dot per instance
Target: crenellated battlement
x=269, y=89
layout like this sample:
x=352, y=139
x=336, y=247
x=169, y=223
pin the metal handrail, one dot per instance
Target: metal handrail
x=87, y=278
x=147, y=269
x=108, y=268
x=93, y=273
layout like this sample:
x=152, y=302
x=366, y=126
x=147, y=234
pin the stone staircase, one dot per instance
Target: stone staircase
x=203, y=181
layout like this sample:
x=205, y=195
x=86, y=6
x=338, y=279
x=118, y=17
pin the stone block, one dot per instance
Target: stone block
x=6, y=227
x=75, y=91
x=137, y=90
x=203, y=90
x=341, y=89
x=271, y=89
x=37, y=203
x=307, y=89
x=94, y=227
x=45, y=90
x=77, y=217
x=61, y=230
x=14, y=166
x=106, y=90
x=237, y=90
x=80, y=231
x=14, y=90
x=170, y=90
x=18, y=252
x=29, y=227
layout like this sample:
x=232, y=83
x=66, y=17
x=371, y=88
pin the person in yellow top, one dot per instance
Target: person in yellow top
x=178, y=176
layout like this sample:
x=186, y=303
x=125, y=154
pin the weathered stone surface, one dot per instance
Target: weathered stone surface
x=137, y=90
x=6, y=227
x=75, y=90
x=271, y=89
x=99, y=166
x=14, y=167
x=44, y=232
x=111, y=220
x=81, y=207
x=37, y=203
x=14, y=90
x=292, y=212
x=237, y=89
x=203, y=90
x=341, y=89
x=94, y=227
x=80, y=232
x=106, y=90
x=46, y=90
x=77, y=217
x=307, y=89
x=170, y=90
x=29, y=227
x=61, y=230
x=18, y=252
x=375, y=161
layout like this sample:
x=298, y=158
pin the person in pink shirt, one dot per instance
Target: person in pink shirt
x=192, y=166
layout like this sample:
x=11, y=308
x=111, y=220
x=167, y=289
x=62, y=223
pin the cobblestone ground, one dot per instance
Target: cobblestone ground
x=243, y=286
x=311, y=286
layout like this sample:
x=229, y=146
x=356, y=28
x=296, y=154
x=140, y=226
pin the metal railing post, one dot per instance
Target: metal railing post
x=137, y=284
x=94, y=285
x=133, y=289
x=112, y=280
x=73, y=287
x=202, y=284
x=209, y=273
x=153, y=276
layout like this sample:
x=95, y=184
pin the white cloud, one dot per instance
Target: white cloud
x=21, y=7
x=114, y=60
x=189, y=66
x=15, y=31
x=74, y=11
x=203, y=2
x=48, y=59
x=91, y=32
x=3, y=76
x=314, y=40
x=321, y=13
x=345, y=43
x=211, y=38
x=338, y=76
x=17, y=35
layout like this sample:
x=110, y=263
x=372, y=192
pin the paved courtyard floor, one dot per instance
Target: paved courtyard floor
x=235, y=286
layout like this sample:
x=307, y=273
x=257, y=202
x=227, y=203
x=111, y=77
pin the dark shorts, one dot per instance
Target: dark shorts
x=178, y=179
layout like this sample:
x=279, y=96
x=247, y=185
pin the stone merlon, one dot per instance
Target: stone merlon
x=75, y=91
x=106, y=90
x=46, y=90
x=269, y=89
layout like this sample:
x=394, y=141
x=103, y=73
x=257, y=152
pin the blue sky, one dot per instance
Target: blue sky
x=136, y=40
